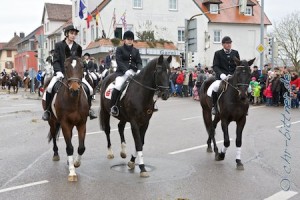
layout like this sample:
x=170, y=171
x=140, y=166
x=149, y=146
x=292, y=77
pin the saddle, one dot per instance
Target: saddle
x=111, y=86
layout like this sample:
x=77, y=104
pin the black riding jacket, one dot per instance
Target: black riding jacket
x=223, y=63
x=59, y=55
x=128, y=57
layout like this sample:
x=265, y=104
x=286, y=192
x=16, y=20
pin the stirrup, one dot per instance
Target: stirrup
x=114, y=111
x=213, y=111
x=46, y=115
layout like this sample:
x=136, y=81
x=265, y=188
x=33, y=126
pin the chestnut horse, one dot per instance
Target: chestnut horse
x=136, y=107
x=70, y=109
x=232, y=105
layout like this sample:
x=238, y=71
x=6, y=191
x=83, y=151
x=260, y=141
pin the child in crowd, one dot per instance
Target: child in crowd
x=268, y=95
x=256, y=93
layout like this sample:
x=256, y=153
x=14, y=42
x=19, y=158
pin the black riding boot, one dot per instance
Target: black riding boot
x=214, y=109
x=114, y=111
x=92, y=114
x=47, y=113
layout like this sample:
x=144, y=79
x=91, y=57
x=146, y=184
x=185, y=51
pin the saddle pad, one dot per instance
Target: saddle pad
x=109, y=89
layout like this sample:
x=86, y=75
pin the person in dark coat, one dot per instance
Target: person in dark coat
x=224, y=66
x=129, y=62
x=108, y=59
x=255, y=73
x=58, y=67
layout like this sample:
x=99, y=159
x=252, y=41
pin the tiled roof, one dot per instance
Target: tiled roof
x=2, y=44
x=137, y=44
x=232, y=15
x=58, y=12
x=30, y=35
x=12, y=44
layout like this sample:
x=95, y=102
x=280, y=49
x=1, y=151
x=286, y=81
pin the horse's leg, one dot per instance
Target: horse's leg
x=67, y=131
x=238, y=142
x=139, y=148
x=104, y=120
x=81, y=148
x=121, y=127
x=214, y=125
x=54, y=129
x=221, y=155
x=210, y=129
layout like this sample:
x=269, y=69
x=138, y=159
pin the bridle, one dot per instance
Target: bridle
x=157, y=87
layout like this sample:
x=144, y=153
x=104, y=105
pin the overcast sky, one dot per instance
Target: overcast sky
x=26, y=15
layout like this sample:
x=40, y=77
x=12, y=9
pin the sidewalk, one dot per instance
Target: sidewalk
x=21, y=94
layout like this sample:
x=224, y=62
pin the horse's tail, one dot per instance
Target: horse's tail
x=50, y=136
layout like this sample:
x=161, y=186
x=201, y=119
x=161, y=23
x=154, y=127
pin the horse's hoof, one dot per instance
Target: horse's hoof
x=131, y=165
x=144, y=175
x=110, y=156
x=123, y=155
x=56, y=158
x=220, y=156
x=77, y=164
x=209, y=150
x=72, y=178
x=239, y=164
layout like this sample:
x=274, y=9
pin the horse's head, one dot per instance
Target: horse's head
x=162, y=74
x=242, y=76
x=73, y=72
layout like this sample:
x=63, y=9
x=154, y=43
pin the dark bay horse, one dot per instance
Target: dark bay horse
x=232, y=105
x=14, y=82
x=136, y=107
x=70, y=109
x=3, y=81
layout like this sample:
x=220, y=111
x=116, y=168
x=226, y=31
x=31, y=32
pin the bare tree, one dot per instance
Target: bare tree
x=287, y=33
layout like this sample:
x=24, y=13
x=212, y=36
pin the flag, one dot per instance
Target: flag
x=88, y=19
x=81, y=9
x=123, y=18
x=114, y=20
x=97, y=18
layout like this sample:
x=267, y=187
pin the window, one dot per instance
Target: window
x=97, y=32
x=92, y=32
x=137, y=4
x=217, y=36
x=76, y=9
x=8, y=53
x=181, y=37
x=213, y=8
x=84, y=36
x=172, y=4
x=249, y=11
x=118, y=33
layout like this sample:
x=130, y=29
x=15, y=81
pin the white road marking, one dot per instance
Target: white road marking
x=193, y=148
x=96, y=132
x=282, y=195
x=296, y=122
x=6, y=115
x=23, y=186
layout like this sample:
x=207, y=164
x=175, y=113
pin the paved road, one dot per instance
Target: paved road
x=175, y=155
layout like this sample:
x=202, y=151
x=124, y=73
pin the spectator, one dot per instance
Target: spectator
x=268, y=95
x=179, y=82
x=255, y=73
x=256, y=93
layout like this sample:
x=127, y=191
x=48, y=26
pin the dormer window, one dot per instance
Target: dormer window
x=214, y=8
x=249, y=11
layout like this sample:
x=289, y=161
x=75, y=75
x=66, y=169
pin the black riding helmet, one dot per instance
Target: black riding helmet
x=70, y=28
x=128, y=35
x=226, y=39
x=87, y=54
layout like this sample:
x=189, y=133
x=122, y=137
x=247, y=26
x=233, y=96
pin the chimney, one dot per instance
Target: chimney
x=22, y=34
x=15, y=34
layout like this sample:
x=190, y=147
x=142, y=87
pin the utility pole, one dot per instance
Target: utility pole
x=262, y=28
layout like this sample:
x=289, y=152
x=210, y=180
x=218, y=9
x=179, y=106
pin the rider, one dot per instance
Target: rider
x=3, y=73
x=26, y=74
x=129, y=62
x=58, y=65
x=13, y=74
x=224, y=66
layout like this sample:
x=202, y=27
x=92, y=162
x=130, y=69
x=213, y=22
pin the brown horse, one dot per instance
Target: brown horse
x=70, y=109
x=14, y=82
x=232, y=105
x=136, y=107
x=3, y=81
x=26, y=83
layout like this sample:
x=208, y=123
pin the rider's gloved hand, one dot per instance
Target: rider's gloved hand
x=128, y=73
x=228, y=76
x=223, y=76
x=59, y=75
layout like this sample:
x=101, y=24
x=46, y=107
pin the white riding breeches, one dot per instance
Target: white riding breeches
x=52, y=83
x=88, y=85
x=213, y=87
x=121, y=79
